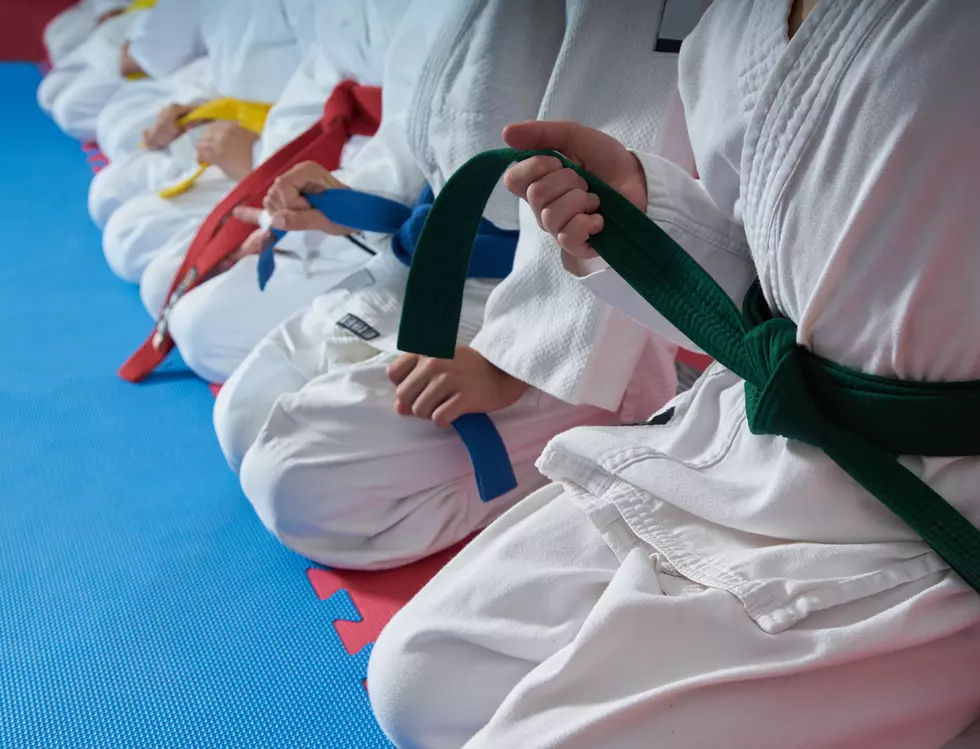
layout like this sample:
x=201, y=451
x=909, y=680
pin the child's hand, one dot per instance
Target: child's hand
x=290, y=211
x=558, y=196
x=228, y=146
x=127, y=65
x=445, y=389
x=254, y=244
x=166, y=129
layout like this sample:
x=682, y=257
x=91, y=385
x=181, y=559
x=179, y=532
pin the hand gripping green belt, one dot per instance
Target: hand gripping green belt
x=861, y=421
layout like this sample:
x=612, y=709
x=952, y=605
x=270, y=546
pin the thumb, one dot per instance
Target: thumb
x=305, y=220
x=558, y=135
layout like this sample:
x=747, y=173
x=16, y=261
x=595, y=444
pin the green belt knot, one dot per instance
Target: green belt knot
x=778, y=399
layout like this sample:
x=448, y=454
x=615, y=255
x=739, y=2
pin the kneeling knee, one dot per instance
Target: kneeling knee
x=155, y=285
x=278, y=487
x=117, y=240
x=72, y=118
x=409, y=680
x=298, y=501
x=49, y=89
x=237, y=421
x=201, y=345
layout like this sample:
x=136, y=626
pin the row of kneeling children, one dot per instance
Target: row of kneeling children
x=738, y=562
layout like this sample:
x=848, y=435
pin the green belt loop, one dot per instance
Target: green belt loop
x=861, y=421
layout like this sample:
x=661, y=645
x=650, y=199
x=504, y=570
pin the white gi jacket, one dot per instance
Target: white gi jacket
x=837, y=210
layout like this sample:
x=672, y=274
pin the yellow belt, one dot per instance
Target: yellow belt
x=139, y=5
x=249, y=115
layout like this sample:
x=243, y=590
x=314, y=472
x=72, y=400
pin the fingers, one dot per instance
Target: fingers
x=556, y=135
x=307, y=220
x=247, y=214
x=411, y=387
x=560, y=201
x=556, y=215
x=399, y=369
x=423, y=385
x=450, y=410
x=205, y=151
x=436, y=393
x=574, y=237
x=283, y=196
x=254, y=244
x=286, y=194
x=164, y=131
x=519, y=177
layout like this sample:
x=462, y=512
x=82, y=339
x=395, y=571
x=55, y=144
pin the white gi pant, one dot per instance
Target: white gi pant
x=75, y=90
x=140, y=172
x=538, y=635
x=143, y=226
x=331, y=469
x=78, y=105
x=217, y=324
x=132, y=110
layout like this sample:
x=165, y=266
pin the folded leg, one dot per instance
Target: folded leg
x=143, y=172
x=336, y=474
x=218, y=323
x=146, y=225
x=78, y=105
x=67, y=30
x=660, y=661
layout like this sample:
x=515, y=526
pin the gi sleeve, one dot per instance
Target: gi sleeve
x=167, y=37
x=682, y=208
x=549, y=330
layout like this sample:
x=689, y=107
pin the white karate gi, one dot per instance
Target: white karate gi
x=170, y=49
x=68, y=29
x=587, y=352
x=216, y=324
x=75, y=89
x=73, y=25
x=135, y=106
x=693, y=585
x=253, y=48
x=309, y=416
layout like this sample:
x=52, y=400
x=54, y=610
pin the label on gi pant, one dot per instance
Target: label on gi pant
x=358, y=327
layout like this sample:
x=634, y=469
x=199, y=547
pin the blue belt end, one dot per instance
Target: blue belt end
x=267, y=260
x=491, y=464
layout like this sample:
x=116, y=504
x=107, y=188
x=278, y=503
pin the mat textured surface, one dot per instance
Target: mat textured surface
x=141, y=602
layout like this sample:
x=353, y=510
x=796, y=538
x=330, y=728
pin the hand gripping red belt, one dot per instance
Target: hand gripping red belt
x=351, y=110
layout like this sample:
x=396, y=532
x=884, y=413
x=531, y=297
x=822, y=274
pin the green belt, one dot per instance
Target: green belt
x=861, y=421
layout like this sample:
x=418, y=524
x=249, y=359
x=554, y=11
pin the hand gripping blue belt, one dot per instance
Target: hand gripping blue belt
x=492, y=257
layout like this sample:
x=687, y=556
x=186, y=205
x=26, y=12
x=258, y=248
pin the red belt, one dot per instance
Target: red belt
x=351, y=110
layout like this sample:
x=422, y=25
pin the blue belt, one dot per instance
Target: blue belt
x=493, y=257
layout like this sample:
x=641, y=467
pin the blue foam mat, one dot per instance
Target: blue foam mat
x=141, y=602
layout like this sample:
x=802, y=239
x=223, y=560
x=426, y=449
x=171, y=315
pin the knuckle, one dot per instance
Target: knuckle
x=551, y=219
x=535, y=194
